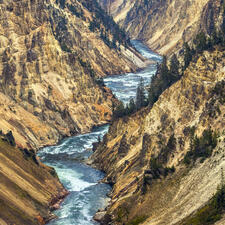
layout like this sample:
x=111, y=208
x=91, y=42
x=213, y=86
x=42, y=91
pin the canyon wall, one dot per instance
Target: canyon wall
x=166, y=25
x=29, y=190
x=145, y=155
x=50, y=63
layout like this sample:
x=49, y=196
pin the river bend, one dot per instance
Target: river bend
x=86, y=194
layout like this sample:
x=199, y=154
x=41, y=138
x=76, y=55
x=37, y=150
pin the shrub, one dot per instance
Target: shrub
x=201, y=147
x=10, y=138
x=137, y=220
x=211, y=212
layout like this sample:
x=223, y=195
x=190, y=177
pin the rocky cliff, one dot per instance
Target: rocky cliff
x=50, y=62
x=155, y=180
x=29, y=190
x=166, y=25
x=52, y=56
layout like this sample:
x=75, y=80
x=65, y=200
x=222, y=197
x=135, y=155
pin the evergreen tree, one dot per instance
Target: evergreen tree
x=174, y=66
x=131, y=106
x=168, y=78
x=140, y=95
x=164, y=69
x=163, y=79
x=119, y=111
x=200, y=42
x=187, y=55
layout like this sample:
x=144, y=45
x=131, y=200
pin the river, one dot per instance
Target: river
x=86, y=194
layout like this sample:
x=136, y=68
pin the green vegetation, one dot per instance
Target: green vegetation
x=204, y=42
x=61, y=3
x=101, y=22
x=163, y=78
x=122, y=111
x=78, y=12
x=141, y=100
x=100, y=82
x=212, y=212
x=201, y=147
x=132, y=106
x=167, y=149
x=188, y=54
x=10, y=138
x=137, y=220
x=121, y=214
x=219, y=91
x=87, y=67
x=109, y=31
x=27, y=154
x=157, y=169
x=60, y=31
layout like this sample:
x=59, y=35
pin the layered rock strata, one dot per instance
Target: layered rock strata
x=151, y=192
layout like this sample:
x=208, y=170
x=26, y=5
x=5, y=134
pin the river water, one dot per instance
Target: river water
x=86, y=194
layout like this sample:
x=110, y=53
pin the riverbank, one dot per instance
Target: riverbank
x=68, y=158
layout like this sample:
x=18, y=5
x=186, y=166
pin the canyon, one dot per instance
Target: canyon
x=165, y=162
x=50, y=63
x=146, y=155
x=163, y=133
x=165, y=25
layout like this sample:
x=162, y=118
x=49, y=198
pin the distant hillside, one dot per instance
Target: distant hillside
x=166, y=25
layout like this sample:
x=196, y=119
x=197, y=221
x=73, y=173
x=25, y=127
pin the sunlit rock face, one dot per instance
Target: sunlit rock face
x=163, y=132
x=29, y=190
x=165, y=25
x=49, y=63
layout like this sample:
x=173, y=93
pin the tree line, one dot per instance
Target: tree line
x=164, y=77
x=110, y=32
x=170, y=71
x=134, y=105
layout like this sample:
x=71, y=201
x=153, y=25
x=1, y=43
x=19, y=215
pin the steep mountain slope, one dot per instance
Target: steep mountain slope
x=144, y=155
x=165, y=25
x=28, y=189
x=50, y=61
x=117, y=8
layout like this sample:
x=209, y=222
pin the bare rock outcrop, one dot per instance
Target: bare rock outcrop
x=166, y=25
x=50, y=61
x=151, y=181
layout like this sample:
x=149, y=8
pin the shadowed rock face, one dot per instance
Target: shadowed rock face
x=49, y=61
x=148, y=189
x=165, y=25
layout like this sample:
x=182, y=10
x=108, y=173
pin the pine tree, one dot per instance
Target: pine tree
x=187, y=55
x=140, y=95
x=131, y=106
x=119, y=111
x=174, y=66
x=164, y=69
x=200, y=42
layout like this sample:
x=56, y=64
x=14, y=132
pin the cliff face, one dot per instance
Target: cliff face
x=165, y=25
x=117, y=8
x=140, y=152
x=28, y=189
x=49, y=63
